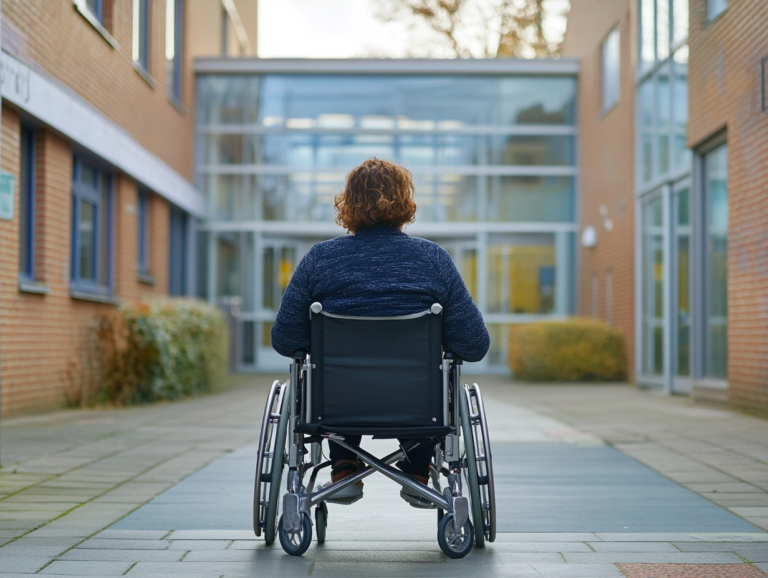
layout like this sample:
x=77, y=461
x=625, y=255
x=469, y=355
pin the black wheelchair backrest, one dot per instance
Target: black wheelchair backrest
x=376, y=375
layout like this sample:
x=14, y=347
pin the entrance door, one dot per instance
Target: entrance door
x=278, y=259
x=681, y=289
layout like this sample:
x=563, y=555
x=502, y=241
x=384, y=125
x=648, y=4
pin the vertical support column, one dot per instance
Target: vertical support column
x=213, y=268
x=666, y=220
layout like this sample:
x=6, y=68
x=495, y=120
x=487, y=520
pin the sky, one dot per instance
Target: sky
x=327, y=29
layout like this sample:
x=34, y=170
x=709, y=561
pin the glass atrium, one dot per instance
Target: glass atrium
x=493, y=156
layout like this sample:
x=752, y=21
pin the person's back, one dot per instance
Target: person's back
x=379, y=272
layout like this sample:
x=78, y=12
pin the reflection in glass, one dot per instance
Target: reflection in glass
x=278, y=262
x=716, y=334
x=464, y=255
x=533, y=150
x=86, y=243
x=299, y=196
x=225, y=149
x=645, y=95
x=387, y=101
x=521, y=273
x=681, y=155
x=647, y=36
x=682, y=261
x=663, y=117
x=679, y=20
x=653, y=288
x=442, y=198
x=230, y=197
x=235, y=261
x=662, y=29
x=530, y=199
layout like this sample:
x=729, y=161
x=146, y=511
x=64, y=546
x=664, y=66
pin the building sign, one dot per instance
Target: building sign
x=7, y=188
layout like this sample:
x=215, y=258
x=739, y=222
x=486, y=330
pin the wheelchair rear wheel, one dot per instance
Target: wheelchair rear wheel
x=480, y=467
x=270, y=463
x=453, y=543
x=470, y=471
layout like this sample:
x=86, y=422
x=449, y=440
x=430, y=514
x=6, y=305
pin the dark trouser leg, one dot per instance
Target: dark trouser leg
x=417, y=463
x=339, y=453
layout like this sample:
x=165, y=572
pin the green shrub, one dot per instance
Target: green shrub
x=164, y=349
x=573, y=350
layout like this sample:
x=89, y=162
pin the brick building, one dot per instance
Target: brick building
x=98, y=205
x=673, y=125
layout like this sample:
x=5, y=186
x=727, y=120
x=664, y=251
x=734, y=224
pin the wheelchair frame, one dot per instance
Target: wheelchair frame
x=463, y=410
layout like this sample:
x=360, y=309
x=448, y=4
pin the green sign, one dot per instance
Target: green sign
x=7, y=188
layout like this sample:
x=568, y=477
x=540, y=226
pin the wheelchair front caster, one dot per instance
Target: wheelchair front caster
x=295, y=543
x=321, y=521
x=453, y=543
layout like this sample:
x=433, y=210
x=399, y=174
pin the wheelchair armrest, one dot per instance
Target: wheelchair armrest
x=457, y=360
x=299, y=354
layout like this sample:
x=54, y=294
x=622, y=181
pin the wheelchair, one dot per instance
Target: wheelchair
x=386, y=377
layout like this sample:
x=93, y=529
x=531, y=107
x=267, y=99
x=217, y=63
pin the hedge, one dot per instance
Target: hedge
x=574, y=350
x=164, y=349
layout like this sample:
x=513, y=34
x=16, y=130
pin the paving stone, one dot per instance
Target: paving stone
x=38, y=546
x=576, y=570
x=123, y=555
x=653, y=558
x=203, y=544
x=87, y=568
x=647, y=537
x=132, y=534
x=115, y=544
x=276, y=567
x=635, y=547
x=22, y=564
x=211, y=535
x=732, y=537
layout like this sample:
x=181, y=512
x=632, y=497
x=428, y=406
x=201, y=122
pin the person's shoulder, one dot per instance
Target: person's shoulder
x=434, y=250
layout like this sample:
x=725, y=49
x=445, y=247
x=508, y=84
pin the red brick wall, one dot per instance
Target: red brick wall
x=53, y=36
x=44, y=345
x=724, y=77
x=606, y=165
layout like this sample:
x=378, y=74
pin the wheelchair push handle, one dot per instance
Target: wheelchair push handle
x=457, y=360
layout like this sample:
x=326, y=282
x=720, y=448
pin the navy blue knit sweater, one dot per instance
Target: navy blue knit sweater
x=379, y=272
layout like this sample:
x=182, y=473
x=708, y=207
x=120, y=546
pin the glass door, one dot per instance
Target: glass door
x=653, y=259
x=681, y=288
x=278, y=259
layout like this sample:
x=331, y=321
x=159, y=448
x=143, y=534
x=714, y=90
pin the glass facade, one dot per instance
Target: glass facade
x=494, y=165
x=663, y=179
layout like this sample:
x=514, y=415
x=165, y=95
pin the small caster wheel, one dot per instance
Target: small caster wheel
x=453, y=543
x=295, y=543
x=321, y=521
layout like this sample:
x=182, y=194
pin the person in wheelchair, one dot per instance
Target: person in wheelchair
x=379, y=271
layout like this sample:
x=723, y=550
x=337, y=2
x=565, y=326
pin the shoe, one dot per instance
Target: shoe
x=345, y=496
x=416, y=500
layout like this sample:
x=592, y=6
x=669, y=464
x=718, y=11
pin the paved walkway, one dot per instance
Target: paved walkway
x=593, y=481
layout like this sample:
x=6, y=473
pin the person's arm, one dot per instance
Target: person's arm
x=464, y=331
x=291, y=328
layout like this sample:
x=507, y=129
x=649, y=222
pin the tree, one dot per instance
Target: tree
x=483, y=28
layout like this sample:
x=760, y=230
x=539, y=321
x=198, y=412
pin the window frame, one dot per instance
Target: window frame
x=178, y=251
x=605, y=105
x=699, y=258
x=174, y=77
x=83, y=192
x=143, y=205
x=141, y=34
x=27, y=235
x=711, y=17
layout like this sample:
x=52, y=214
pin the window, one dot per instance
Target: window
x=715, y=266
x=173, y=45
x=224, y=31
x=27, y=205
x=91, y=228
x=611, y=53
x=715, y=8
x=663, y=28
x=96, y=7
x=98, y=13
x=143, y=232
x=178, y=253
x=141, y=33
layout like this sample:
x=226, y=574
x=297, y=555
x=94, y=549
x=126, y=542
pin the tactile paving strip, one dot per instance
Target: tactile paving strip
x=690, y=571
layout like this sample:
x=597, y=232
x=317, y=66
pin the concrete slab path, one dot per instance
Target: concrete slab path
x=593, y=481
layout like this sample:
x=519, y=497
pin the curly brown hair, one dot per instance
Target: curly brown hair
x=378, y=192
